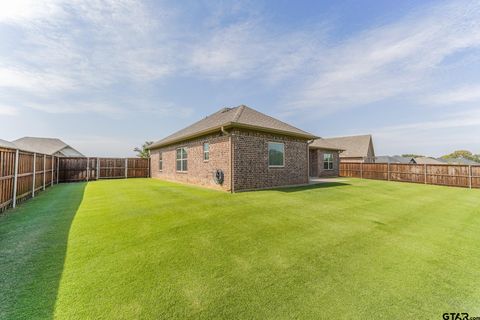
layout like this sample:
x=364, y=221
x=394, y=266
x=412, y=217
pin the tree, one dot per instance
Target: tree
x=460, y=154
x=143, y=152
x=412, y=155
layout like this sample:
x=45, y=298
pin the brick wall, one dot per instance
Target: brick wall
x=199, y=172
x=313, y=162
x=250, y=154
x=316, y=163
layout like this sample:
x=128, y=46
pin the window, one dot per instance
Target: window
x=206, y=151
x=276, y=152
x=328, y=161
x=160, y=162
x=182, y=159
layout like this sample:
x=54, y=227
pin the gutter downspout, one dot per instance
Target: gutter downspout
x=309, y=142
x=225, y=132
x=231, y=156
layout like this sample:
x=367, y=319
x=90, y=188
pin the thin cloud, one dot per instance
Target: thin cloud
x=26, y=10
x=452, y=131
x=390, y=60
x=77, y=108
x=34, y=81
x=465, y=94
x=8, y=110
x=73, y=48
x=470, y=118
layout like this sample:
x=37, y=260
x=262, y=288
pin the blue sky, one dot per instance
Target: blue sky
x=107, y=75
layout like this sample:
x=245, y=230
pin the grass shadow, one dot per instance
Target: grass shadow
x=33, y=245
x=321, y=185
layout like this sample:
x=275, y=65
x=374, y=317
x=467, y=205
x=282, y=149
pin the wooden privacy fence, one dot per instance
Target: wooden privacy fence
x=438, y=174
x=85, y=169
x=23, y=174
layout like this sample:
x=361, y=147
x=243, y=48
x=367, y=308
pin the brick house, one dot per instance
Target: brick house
x=234, y=149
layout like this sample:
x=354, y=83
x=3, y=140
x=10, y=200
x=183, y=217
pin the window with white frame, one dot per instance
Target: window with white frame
x=160, y=161
x=328, y=161
x=182, y=159
x=276, y=154
x=206, y=151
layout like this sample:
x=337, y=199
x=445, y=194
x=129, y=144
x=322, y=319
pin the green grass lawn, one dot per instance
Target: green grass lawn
x=143, y=248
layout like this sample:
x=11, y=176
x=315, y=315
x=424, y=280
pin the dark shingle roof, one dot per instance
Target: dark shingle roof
x=241, y=116
x=321, y=143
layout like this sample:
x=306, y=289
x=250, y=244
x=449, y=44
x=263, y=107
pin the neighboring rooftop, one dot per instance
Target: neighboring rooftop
x=392, y=159
x=239, y=117
x=7, y=144
x=463, y=161
x=51, y=146
x=427, y=160
x=354, y=146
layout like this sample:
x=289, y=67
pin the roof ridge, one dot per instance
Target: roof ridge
x=238, y=113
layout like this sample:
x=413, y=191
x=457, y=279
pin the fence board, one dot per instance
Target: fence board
x=475, y=177
x=437, y=174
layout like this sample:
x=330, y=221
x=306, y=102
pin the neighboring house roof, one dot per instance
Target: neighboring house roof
x=392, y=159
x=323, y=144
x=463, y=161
x=238, y=117
x=427, y=160
x=7, y=144
x=354, y=146
x=47, y=146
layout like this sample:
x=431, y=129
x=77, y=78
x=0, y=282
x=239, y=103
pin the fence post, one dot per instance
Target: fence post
x=34, y=169
x=88, y=167
x=53, y=165
x=44, y=169
x=388, y=171
x=126, y=168
x=425, y=172
x=148, y=172
x=15, y=178
x=98, y=168
x=361, y=170
x=58, y=169
x=470, y=177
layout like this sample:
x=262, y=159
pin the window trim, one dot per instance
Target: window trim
x=181, y=159
x=268, y=155
x=328, y=161
x=160, y=161
x=206, y=152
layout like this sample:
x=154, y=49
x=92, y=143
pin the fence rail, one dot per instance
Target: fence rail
x=85, y=169
x=23, y=174
x=438, y=174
